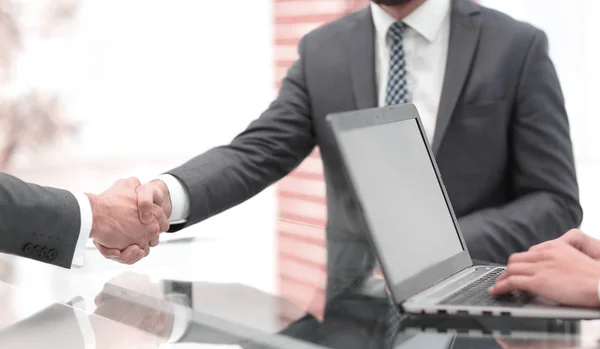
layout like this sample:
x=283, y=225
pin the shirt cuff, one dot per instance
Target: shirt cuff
x=180, y=200
x=85, y=209
x=181, y=318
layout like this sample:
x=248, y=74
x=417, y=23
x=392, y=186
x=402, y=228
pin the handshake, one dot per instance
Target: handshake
x=128, y=218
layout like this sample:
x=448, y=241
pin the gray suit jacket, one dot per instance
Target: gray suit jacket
x=502, y=139
x=38, y=222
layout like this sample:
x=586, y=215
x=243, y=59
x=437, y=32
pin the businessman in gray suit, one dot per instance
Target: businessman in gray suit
x=52, y=225
x=490, y=102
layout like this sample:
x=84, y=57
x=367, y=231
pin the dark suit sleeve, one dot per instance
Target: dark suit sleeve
x=271, y=147
x=38, y=222
x=546, y=202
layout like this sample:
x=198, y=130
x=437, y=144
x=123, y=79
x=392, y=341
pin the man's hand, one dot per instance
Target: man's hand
x=150, y=195
x=558, y=272
x=117, y=229
x=576, y=238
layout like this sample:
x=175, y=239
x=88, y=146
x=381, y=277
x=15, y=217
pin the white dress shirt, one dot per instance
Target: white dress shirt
x=85, y=209
x=425, y=42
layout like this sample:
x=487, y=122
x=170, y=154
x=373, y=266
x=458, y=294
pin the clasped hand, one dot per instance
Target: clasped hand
x=128, y=219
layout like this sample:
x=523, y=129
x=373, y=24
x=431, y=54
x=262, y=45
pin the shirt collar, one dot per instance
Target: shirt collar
x=426, y=19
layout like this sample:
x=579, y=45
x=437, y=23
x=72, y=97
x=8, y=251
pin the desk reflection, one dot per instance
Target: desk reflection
x=62, y=326
x=134, y=312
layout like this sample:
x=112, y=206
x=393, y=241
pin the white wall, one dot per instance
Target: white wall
x=195, y=70
x=153, y=83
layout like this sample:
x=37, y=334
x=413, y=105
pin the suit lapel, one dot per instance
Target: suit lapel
x=465, y=26
x=360, y=45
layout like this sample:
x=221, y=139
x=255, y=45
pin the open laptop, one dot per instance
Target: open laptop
x=411, y=225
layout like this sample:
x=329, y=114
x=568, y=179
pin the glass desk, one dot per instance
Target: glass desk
x=211, y=293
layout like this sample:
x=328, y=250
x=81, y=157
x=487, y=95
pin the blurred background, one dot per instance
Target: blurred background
x=95, y=90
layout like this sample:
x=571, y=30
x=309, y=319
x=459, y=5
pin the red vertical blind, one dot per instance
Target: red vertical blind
x=302, y=216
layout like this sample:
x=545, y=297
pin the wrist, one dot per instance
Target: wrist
x=161, y=185
x=164, y=189
x=98, y=209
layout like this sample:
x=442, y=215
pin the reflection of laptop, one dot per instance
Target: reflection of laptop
x=411, y=224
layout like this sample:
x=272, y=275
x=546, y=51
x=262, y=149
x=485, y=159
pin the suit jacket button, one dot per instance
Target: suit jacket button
x=29, y=249
x=51, y=255
x=36, y=250
x=44, y=253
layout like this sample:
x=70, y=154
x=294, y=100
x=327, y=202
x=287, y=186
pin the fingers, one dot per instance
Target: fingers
x=148, y=196
x=513, y=283
x=517, y=276
x=502, y=276
x=130, y=255
x=159, y=223
x=545, y=245
x=156, y=227
x=154, y=242
x=528, y=257
x=110, y=253
x=145, y=195
x=517, y=269
x=582, y=242
x=527, y=269
x=133, y=254
x=163, y=222
x=161, y=219
x=574, y=235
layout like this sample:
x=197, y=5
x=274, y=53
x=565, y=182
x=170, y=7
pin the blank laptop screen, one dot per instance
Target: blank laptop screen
x=410, y=222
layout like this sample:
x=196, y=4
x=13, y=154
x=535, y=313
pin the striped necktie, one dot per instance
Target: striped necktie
x=397, y=91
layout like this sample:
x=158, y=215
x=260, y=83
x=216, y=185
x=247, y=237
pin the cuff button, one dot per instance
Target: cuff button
x=52, y=255
x=27, y=248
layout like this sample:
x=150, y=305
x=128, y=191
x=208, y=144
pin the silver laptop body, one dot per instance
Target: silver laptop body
x=411, y=225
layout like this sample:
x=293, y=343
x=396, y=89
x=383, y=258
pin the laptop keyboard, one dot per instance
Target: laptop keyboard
x=476, y=294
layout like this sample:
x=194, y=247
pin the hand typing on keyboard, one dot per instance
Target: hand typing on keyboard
x=476, y=294
x=558, y=272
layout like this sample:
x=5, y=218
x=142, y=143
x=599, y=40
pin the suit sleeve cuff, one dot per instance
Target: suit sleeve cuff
x=180, y=199
x=85, y=210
